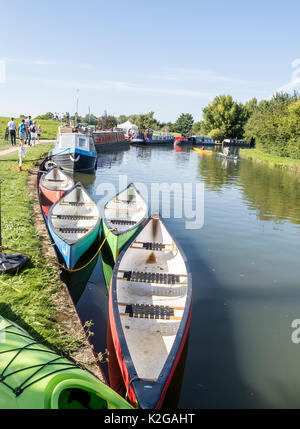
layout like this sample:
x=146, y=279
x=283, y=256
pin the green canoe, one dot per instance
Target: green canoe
x=32, y=376
x=125, y=213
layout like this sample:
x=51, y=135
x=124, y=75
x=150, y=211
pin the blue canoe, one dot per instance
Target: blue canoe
x=73, y=223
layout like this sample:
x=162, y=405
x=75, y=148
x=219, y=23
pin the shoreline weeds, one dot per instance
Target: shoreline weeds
x=42, y=304
x=287, y=164
x=65, y=310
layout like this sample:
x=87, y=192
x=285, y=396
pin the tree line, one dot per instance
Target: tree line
x=274, y=125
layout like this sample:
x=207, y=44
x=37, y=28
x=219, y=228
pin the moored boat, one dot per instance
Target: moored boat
x=110, y=140
x=150, y=306
x=152, y=139
x=53, y=184
x=73, y=223
x=74, y=151
x=125, y=212
x=235, y=142
x=33, y=376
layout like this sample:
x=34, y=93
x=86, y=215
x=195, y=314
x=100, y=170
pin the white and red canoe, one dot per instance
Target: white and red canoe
x=53, y=185
x=150, y=307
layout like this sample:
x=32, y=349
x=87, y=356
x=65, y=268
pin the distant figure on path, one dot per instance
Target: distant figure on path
x=28, y=122
x=38, y=132
x=23, y=132
x=12, y=131
x=32, y=130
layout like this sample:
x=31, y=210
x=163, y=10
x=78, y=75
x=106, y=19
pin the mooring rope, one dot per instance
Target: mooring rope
x=56, y=262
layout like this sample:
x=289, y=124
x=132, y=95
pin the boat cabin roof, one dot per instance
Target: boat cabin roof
x=81, y=141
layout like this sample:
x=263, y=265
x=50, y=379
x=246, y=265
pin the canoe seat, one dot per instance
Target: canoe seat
x=74, y=217
x=75, y=203
x=74, y=230
x=54, y=180
x=122, y=222
x=160, y=278
x=160, y=247
x=149, y=311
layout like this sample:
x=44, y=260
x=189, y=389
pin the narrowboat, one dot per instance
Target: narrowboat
x=33, y=376
x=125, y=213
x=201, y=140
x=110, y=140
x=73, y=224
x=149, y=139
x=235, y=142
x=74, y=152
x=150, y=303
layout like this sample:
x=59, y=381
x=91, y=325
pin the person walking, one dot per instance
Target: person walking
x=38, y=132
x=28, y=122
x=23, y=132
x=12, y=131
x=33, y=132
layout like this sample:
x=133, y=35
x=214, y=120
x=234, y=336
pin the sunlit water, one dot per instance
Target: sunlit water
x=245, y=264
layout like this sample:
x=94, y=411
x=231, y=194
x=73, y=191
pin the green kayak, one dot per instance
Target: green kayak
x=32, y=376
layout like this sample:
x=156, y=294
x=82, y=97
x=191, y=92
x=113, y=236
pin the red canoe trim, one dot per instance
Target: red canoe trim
x=177, y=359
x=126, y=377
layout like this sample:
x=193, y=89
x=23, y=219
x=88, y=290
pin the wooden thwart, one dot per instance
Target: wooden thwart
x=150, y=311
x=152, y=277
x=154, y=247
x=74, y=203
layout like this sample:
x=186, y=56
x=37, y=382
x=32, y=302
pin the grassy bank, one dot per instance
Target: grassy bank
x=49, y=127
x=272, y=160
x=26, y=298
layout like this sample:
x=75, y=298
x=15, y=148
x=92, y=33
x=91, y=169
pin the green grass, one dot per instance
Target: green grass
x=32, y=307
x=49, y=127
x=272, y=160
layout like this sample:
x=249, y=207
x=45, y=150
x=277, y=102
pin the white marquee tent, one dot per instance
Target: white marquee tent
x=127, y=126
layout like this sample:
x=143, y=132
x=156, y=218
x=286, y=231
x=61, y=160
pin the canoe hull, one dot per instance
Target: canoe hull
x=158, y=394
x=142, y=392
x=116, y=242
x=71, y=253
x=51, y=383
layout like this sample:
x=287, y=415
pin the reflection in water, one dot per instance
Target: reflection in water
x=274, y=193
x=215, y=173
x=245, y=269
x=110, y=158
x=77, y=281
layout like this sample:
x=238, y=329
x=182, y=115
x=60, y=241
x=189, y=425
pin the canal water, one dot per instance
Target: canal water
x=245, y=265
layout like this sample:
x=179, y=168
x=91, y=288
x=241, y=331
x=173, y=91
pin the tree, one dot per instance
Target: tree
x=47, y=115
x=122, y=118
x=107, y=122
x=144, y=121
x=93, y=120
x=224, y=114
x=217, y=134
x=274, y=125
x=197, y=127
x=184, y=123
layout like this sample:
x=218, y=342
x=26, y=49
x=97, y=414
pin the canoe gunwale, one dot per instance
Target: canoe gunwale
x=51, y=226
x=163, y=380
x=119, y=233
x=44, y=185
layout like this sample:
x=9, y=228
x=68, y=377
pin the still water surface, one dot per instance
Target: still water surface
x=245, y=264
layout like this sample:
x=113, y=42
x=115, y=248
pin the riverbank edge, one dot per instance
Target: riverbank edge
x=66, y=314
x=258, y=156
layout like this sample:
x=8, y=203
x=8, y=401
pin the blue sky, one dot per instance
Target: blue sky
x=131, y=56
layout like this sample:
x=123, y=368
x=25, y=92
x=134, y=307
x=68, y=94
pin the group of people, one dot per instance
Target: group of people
x=28, y=131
